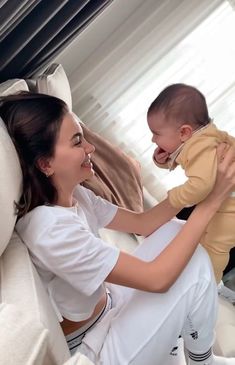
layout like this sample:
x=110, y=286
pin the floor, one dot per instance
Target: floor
x=227, y=288
x=229, y=279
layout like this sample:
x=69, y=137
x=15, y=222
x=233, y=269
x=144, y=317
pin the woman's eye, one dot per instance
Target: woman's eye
x=78, y=141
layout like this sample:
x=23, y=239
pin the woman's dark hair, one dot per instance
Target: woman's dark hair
x=184, y=103
x=33, y=122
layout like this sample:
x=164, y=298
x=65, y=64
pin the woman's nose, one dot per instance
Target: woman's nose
x=89, y=148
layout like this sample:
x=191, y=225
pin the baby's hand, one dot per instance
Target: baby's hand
x=160, y=156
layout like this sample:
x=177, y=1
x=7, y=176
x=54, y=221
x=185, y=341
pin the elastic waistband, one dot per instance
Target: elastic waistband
x=74, y=339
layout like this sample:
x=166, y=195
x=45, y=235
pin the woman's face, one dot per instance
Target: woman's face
x=71, y=163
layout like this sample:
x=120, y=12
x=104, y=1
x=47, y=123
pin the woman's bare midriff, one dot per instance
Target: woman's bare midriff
x=70, y=326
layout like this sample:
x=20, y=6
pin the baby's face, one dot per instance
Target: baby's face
x=166, y=133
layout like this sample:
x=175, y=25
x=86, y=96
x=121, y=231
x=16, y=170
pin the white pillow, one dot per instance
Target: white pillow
x=10, y=185
x=55, y=82
x=10, y=171
x=13, y=86
x=22, y=340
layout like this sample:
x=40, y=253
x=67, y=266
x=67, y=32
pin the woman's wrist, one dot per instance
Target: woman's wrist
x=215, y=200
x=208, y=207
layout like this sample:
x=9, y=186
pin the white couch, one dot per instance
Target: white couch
x=29, y=330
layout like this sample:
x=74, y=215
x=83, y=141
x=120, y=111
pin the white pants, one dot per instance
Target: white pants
x=146, y=326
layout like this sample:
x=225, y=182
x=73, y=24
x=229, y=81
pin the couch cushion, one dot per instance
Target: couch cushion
x=225, y=329
x=10, y=186
x=10, y=172
x=22, y=341
x=13, y=86
x=54, y=82
x=21, y=286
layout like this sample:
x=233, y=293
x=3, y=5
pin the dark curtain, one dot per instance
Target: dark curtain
x=33, y=32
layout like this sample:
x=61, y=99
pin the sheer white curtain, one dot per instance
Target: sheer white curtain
x=157, y=44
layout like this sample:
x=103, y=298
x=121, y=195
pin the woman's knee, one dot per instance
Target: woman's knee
x=155, y=243
x=200, y=264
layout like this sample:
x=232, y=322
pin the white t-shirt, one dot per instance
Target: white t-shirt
x=71, y=259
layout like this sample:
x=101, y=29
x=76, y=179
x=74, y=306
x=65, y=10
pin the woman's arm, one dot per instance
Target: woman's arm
x=143, y=223
x=159, y=274
x=147, y=222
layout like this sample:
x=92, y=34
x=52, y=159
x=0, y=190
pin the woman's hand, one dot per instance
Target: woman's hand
x=225, y=180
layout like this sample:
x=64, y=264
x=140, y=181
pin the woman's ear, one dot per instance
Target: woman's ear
x=186, y=132
x=43, y=164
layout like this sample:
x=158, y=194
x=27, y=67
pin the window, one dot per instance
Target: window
x=205, y=59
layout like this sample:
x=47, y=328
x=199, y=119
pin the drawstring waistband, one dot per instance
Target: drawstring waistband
x=74, y=339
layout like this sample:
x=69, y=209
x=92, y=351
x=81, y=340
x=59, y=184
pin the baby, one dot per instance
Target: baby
x=185, y=135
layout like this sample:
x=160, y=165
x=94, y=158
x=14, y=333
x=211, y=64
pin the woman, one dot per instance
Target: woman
x=114, y=307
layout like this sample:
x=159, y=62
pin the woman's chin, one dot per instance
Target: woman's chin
x=89, y=173
x=92, y=172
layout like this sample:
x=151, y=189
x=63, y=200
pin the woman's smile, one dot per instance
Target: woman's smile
x=87, y=163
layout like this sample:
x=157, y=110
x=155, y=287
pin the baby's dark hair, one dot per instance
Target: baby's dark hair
x=33, y=122
x=183, y=103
